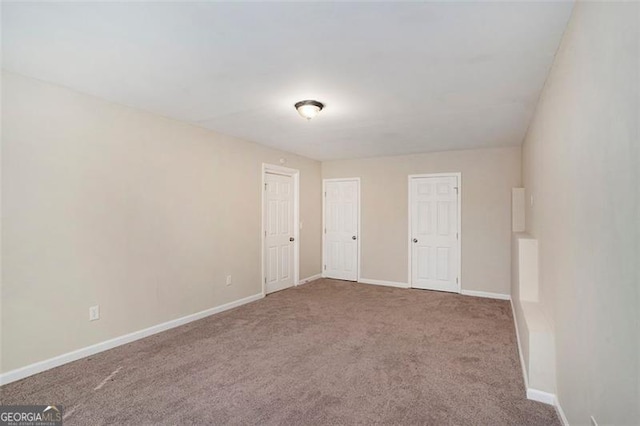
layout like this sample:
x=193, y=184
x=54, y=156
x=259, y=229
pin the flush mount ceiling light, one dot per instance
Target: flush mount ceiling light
x=309, y=109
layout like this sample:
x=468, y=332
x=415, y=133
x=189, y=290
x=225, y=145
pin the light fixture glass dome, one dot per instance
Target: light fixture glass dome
x=309, y=108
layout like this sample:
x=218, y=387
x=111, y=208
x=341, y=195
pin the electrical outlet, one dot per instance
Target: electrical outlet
x=593, y=421
x=229, y=281
x=94, y=313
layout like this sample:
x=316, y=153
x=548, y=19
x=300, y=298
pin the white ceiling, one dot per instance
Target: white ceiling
x=396, y=78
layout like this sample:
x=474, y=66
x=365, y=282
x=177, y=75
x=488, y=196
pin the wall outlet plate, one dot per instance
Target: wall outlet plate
x=229, y=280
x=94, y=313
x=593, y=421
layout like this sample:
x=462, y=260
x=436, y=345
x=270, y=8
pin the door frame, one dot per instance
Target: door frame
x=324, y=228
x=295, y=174
x=409, y=229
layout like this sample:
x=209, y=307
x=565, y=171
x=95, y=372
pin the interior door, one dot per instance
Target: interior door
x=279, y=232
x=434, y=233
x=341, y=229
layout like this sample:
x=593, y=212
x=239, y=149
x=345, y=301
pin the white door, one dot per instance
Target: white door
x=279, y=232
x=341, y=229
x=434, y=233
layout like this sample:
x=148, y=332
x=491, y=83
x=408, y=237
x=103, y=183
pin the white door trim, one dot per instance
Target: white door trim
x=431, y=175
x=324, y=198
x=295, y=174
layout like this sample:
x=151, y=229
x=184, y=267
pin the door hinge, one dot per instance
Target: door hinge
x=325, y=267
x=265, y=186
x=457, y=236
x=265, y=280
x=456, y=188
x=456, y=280
x=325, y=230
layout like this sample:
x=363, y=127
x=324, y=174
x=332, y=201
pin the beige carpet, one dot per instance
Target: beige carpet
x=329, y=352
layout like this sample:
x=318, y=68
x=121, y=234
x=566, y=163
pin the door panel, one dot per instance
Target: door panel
x=279, y=228
x=341, y=229
x=434, y=233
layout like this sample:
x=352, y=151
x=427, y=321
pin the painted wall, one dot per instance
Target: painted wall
x=487, y=178
x=580, y=164
x=104, y=204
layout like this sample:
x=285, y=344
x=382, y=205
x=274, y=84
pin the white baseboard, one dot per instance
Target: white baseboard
x=541, y=396
x=560, y=412
x=309, y=279
x=485, y=294
x=38, y=367
x=534, y=394
x=386, y=283
x=522, y=365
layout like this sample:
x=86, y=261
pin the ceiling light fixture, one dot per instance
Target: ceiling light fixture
x=309, y=109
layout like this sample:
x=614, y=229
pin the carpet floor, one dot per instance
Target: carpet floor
x=328, y=352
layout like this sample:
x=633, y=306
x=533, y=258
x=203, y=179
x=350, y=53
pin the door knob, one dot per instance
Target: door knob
x=291, y=239
x=415, y=240
x=353, y=238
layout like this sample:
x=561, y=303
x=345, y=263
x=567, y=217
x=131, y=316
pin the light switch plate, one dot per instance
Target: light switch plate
x=94, y=313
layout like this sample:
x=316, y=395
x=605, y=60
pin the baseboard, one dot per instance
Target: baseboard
x=522, y=365
x=541, y=396
x=485, y=294
x=38, y=367
x=534, y=394
x=560, y=412
x=309, y=279
x=385, y=283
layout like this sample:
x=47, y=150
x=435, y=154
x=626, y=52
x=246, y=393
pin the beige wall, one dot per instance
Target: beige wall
x=104, y=204
x=581, y=164
x=487, y=178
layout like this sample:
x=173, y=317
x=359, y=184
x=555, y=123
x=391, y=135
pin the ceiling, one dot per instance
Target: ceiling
x=396, y=78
